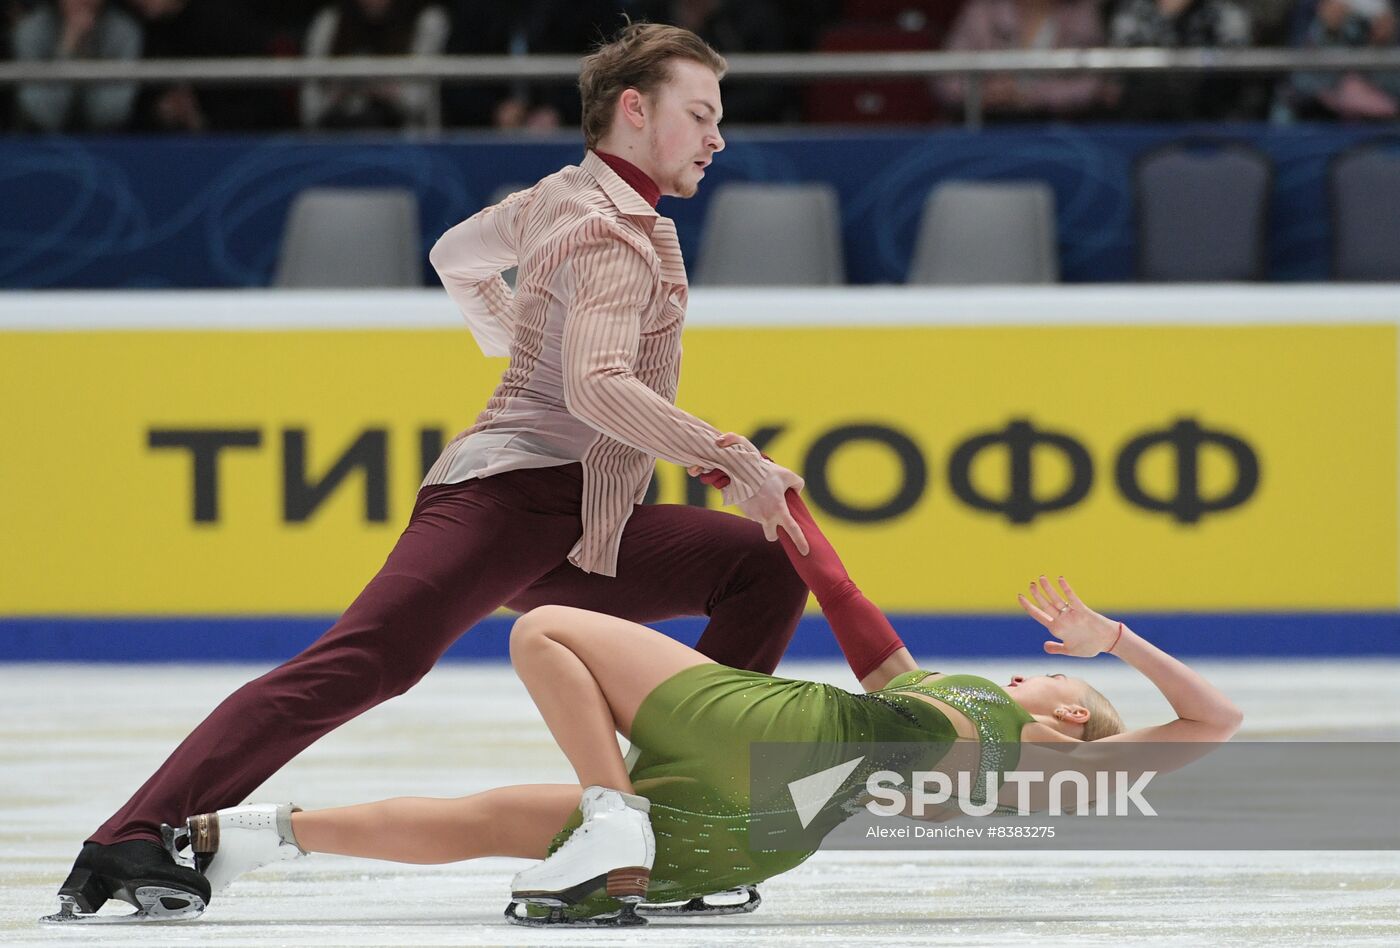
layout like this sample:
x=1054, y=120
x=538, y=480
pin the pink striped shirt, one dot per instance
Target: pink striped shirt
x=593, y=332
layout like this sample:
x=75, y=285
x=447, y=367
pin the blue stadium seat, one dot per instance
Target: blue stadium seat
x=1202, y=213
x=1365, y=192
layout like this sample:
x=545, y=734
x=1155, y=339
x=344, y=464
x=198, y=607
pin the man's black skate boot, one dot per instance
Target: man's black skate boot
x=136, y=871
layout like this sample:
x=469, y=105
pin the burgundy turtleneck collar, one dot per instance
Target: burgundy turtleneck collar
x=634, y=176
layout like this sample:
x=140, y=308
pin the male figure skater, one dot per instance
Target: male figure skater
x=538, y=501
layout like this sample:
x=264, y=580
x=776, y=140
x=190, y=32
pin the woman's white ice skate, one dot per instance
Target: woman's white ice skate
x=227, y=843
x=610, y=853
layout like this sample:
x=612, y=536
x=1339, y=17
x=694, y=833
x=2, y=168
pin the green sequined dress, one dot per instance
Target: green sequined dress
x=694, y=730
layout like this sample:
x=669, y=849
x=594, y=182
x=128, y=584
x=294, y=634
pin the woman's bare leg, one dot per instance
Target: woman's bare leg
x=588, y=674
x=511, y=821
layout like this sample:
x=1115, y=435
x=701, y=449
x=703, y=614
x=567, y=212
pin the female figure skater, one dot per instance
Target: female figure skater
x=675, y=827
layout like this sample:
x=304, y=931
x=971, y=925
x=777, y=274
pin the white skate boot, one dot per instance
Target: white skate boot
x=227, y=843
x=610, y=853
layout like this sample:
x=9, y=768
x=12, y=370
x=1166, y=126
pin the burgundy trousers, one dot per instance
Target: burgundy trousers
x=470, y=548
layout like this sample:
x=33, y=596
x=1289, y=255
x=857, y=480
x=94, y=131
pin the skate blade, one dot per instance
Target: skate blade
x=702, y=907
x=177, y=844
x=154, y=904
x=558, y=915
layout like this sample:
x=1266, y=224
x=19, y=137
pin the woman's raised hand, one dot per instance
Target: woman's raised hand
x=1080, y=631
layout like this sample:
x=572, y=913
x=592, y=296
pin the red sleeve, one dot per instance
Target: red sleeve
x=861, y=629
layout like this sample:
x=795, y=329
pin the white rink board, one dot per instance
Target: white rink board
x=763, y=307
x=76, y=740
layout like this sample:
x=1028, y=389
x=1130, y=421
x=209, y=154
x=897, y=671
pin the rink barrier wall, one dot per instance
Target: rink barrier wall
x=272, y=639
x=906, y=410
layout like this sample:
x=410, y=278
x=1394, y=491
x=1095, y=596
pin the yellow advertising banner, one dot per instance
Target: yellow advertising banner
x=152, y=472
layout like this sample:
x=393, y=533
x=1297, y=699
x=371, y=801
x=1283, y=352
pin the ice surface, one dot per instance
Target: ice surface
x=75, y=741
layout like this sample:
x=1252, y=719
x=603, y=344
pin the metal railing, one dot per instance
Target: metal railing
x=765, y=67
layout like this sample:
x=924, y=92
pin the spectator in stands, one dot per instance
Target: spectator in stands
x=806, y=20
x=1030, y=25
x=179, y=29
x=1352, y=95
x=748, y=26
x=1185, y=24
x=372, y=28
x=571, y=27
x=9, y=13
x=76, y=29
x=285, y=22
x=1270, y=20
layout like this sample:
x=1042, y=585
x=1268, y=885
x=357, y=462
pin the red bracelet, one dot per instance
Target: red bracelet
x=1116, y=638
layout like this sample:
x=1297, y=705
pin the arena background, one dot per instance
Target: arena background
x=201, y=470
x=1301, y=371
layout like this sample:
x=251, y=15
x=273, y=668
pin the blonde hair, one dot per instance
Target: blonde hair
x=1104, y=720
x=638, y=57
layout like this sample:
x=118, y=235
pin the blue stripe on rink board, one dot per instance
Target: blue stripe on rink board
x=273, y=638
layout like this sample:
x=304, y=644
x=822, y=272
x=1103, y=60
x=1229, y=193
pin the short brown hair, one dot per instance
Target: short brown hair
x=638, y=57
